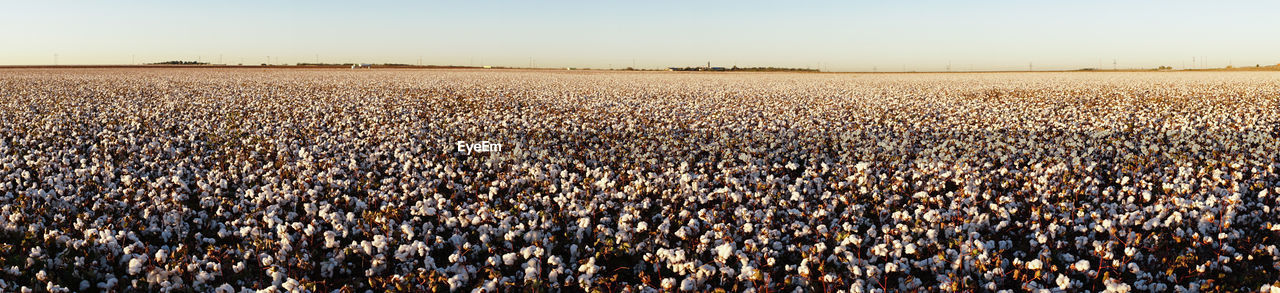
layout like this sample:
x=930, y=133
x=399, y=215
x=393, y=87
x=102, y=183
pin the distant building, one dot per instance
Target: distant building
x=697, y=69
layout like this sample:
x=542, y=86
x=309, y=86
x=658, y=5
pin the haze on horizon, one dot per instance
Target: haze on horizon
x=829, y=35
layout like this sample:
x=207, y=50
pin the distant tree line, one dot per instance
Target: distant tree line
x=736, y=68
x=181, y=63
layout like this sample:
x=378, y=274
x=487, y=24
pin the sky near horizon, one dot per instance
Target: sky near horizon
x=830, y=35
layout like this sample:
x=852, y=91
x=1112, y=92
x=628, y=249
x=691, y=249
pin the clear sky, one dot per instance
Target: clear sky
x=835, y=35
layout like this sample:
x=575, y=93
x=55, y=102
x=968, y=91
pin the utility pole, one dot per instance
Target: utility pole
x=1113, y=64
x=55, y=58
x=1029, y=68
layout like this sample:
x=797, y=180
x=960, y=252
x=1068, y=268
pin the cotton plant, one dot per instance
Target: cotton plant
x=323, y=181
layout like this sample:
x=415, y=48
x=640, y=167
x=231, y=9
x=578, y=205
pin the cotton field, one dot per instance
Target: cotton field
x=242, y=180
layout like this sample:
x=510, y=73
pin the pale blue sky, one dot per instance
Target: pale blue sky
x=837, y=35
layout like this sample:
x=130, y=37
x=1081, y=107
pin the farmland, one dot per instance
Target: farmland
x=226, y=180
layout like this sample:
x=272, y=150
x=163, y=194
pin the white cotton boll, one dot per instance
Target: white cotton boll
x=1064, y=282
x=367, y=247
x=683, y=232
x=239, y=266
x=1035, y=264
x=880, y=249
x=380, y=242
x=277, y=277
x=135, y=266
x=1116, y=286
x=532, y=270
x=455, y=282
x=407, y=230
x=509, y=258
x=724, y=251
x=668, y=283
x=687, y=285
x=109, y=283
x=749, y=273
x=405, y=252
x=909, y=249
x=526, y=252
x=330, y=239
x=203, y=277
x=1082, y=265
x=291, y=285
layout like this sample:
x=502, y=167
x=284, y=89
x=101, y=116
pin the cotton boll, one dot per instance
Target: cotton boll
x=724, y=251
x=1116, y=286
x=1035, y=264
x=1081, y=265
x=687, y=284
x=135, y=266
x=669, y=283
x=1063, y=282
x=509, y=258
x=291, y=285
